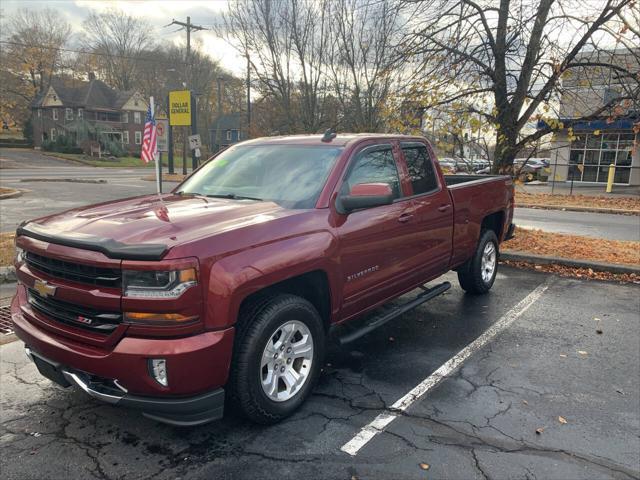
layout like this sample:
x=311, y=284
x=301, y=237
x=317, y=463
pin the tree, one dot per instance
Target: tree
x=508, y=60
x=119, y=42
x=30, y=56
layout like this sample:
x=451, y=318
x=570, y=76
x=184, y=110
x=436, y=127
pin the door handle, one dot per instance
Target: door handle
x=443, y=208
x=405, y=217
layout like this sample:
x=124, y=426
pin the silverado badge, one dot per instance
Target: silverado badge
x=44, y=289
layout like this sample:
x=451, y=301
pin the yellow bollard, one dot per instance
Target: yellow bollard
x=612, y=171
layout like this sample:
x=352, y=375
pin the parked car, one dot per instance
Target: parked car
x=528, y=168
x=227, y=287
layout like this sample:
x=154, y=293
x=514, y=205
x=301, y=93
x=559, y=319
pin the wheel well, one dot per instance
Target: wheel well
x=494, y=222
x=312, y=286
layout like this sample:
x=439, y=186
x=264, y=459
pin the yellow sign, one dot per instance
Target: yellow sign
x=180, y=107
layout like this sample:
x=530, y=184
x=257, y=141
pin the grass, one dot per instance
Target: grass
x=548, y=200
x=121, y=162
x=574, y=247
x=6, y=249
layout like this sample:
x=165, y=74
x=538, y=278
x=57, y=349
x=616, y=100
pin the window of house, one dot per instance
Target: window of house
x=137, y=117
x=68, y=113
x=373, y=166
x=53, y=134
x=421, y=171
x=138, y=138
x=125, y=137
x=80, y=114
x=228, y=135
x=591, y=155
x=55, y=113
x=125, y=117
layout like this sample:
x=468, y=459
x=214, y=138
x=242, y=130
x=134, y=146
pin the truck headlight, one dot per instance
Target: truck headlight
x=157, y=283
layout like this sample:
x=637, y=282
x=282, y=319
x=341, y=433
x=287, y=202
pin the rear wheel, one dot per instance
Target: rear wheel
x=478, y=274
x=277, y=357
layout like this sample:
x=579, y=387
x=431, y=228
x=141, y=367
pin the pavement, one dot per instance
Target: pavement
x=600, y=225
x=479, y=422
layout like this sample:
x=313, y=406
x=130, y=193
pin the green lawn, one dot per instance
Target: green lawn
x=127, y=162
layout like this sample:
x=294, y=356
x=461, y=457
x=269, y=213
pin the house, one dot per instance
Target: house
x=227, y=131
x=89, y=110
x=584, y=149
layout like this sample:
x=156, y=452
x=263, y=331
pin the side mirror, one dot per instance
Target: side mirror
x=365, y=195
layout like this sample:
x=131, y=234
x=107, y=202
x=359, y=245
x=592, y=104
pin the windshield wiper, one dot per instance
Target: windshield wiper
x=233, y=196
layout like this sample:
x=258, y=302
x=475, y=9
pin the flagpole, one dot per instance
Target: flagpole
x=155, y=155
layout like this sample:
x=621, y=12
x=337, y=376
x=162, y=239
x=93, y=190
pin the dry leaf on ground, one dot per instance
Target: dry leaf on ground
x=545, y=199
x=562, y=420
x=539, y=430
x=424, y=466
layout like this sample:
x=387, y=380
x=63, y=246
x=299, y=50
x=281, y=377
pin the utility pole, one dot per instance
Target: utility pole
x=248, y=95
x=188, y=26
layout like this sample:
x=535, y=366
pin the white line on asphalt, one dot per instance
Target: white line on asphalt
x=353, y=446
x=127, y=185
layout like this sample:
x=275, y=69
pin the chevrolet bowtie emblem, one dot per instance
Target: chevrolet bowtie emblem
x=44, y=289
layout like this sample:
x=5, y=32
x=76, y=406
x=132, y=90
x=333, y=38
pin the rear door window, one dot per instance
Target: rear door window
x=420, y=167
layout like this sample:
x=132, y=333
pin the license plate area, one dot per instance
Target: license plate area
x=50, y=370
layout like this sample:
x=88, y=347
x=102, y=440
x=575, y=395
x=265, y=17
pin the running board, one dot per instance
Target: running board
x=376, y=322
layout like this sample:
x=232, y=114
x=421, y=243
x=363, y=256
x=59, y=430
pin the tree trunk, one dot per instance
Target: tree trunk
x=504, y=154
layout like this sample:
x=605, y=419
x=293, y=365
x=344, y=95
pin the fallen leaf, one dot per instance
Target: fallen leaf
x=596, y=319
x=539, y=430
x=599, y=332
x=391, y=339
x=563, y=355
x=582, y=352
x=525, y=402
x=562, y=420
x=353, y=477
x=424, y=466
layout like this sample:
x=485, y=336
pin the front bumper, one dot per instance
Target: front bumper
x=197, y=368
x=182, y=412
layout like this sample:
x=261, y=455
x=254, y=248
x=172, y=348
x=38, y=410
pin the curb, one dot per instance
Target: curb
x=71, y=180
x=6, y=196
x=569, y=262
x=8, y=275
x=618, y=211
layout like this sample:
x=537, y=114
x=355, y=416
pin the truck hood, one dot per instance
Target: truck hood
x=145, y=228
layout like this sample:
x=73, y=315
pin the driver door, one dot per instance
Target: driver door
x=377, y=245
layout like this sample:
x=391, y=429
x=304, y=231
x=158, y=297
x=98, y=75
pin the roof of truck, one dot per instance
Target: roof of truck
x=341, y=139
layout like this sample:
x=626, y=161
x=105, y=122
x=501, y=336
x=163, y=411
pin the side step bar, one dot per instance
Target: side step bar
x=425, y=296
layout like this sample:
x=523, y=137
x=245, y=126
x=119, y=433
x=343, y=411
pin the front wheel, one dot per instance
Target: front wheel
x=277, y=358
x=478, y=274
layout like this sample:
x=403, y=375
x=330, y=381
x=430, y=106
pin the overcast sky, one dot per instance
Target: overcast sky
x=157, y=12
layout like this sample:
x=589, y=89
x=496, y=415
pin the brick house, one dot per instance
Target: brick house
x=93, y=106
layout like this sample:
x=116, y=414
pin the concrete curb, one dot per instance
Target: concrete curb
x=71, y=180
x=14, y=194
x=618, y=211
x=569, y=262
x=8, y=275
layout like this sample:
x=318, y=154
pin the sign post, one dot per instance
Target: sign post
x=180, y=114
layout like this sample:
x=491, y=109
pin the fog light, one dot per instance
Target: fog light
x=158, y=369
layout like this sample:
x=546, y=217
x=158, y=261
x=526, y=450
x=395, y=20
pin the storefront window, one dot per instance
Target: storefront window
x=591, y=156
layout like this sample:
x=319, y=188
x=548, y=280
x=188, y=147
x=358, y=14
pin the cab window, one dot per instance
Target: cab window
x=373, y=166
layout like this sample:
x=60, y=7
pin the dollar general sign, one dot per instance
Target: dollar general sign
x=180, y=107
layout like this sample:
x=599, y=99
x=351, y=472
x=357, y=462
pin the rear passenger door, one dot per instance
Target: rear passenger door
x=433, y=209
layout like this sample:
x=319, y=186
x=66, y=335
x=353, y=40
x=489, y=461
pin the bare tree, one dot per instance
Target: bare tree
x=120, y=41
x=362, y=59
x=509, y=60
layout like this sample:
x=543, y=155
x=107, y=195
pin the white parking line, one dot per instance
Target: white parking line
x=353, y=446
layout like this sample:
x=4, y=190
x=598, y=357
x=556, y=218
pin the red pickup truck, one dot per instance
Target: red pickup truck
x=227, y=287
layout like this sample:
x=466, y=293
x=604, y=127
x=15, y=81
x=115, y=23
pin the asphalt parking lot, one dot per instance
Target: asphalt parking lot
x=549, y=361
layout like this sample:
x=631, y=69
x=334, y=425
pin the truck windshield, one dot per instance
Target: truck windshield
x=290, y=175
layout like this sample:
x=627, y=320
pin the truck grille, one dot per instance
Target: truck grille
x=76, y=315
x=105, y=277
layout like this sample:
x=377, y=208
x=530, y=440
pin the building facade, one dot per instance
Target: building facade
x=89, y=111
x=584, y=149
x=227, y=131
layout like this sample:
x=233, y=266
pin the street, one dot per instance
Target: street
x=480, y=422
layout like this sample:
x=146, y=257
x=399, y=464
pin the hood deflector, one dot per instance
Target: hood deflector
x=108, y=246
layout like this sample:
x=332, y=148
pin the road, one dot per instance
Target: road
x=479, y=422
x=601, y=225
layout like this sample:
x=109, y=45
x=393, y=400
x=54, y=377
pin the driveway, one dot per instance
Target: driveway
x=534, y=355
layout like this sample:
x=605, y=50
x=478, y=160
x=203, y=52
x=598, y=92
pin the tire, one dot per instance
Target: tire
x=267, y=322
x=474, y=276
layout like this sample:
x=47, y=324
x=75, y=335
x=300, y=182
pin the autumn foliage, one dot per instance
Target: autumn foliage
x=547, y=200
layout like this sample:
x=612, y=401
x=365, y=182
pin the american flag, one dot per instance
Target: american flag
x=149, y=137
